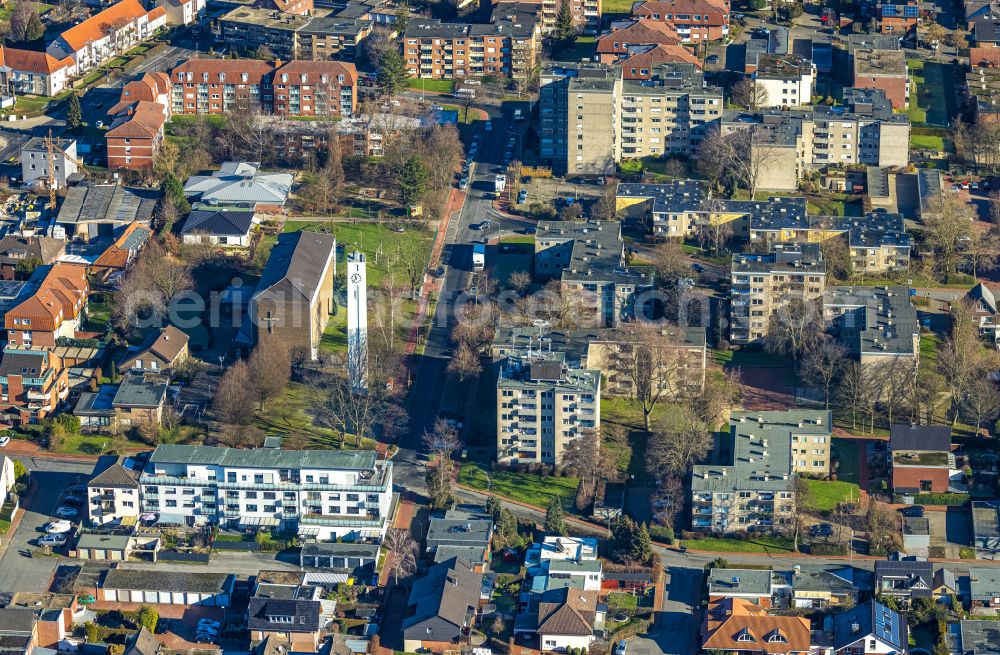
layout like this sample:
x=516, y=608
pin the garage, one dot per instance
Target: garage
x=167, y=587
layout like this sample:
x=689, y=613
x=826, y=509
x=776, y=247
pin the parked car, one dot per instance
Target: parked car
x=74, y=501
x=712, y=59
x=58, y=527
x=4, y=441
x=211, y=624
x=915, y=511
x=53, y=540
x=821, y=530
x=205, y=629
x=163, y=625
x=488, y=126
x=621, y=648
x=202, y=638
x=67, y=512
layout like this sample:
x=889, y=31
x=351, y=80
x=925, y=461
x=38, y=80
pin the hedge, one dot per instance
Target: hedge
x=941, y=499
x=631, y=629
x=827, y=549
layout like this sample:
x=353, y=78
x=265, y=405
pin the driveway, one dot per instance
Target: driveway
x=676, y=628
x=19, y=572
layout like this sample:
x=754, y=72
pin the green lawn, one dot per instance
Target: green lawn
x=527, y=488
x=582, y=49
x=619, y=600
x=434, y=86
x=616, y=7
x=296, y=413
x=825, y=495
x=334, y=337
x=4, y=526
x=92, y=444
x=847, y=452
x=926, y=142
x=98, y=316
x=29, y=105
x=916, y=113
x=928, y=349
x=752, y=544
x=468, y=116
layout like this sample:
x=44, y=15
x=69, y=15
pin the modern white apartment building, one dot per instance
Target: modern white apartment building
x=318, y=494
x=542, y=405
x=785, y=80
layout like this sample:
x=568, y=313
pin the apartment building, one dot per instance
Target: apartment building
x=113, y=493
x=33, y=382
x=135, y=135
x=765, y=285
x=318, y=494
x=37, y=73
x=641, y=61
x=874, y=323
x=295, y=88
x=436, y=50
x=54, y=310
x=589, y=258
x=107, y=34
x=790, y=143
x=614, y=44
x=682, y=358
x=543, y=403
x=665, y=114
x=756, y=492
x=183, y=12
x=785, y=80
x=35, y=161
x=695, y=20
x=333, y=37
x=245, y=29
x=884, y=70
x=586, y=13
x=674, y=208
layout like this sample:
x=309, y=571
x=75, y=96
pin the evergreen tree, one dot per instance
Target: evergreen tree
x=392, y=73
x=507, y=530
x=623, y=532
x=173, y=187
x=34, y=30
x=554, y=522
x=412, y=180
x=493, y=508
x=565, y=31
x=642, y=545
x=74, y=114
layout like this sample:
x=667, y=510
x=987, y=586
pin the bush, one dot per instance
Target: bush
x=90, y=632
x=941, y=499
x=631, y=629
x=827, y=549
x=967, y=552
x=662, y=533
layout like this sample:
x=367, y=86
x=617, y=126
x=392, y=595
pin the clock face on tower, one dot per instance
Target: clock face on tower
x=356, y=278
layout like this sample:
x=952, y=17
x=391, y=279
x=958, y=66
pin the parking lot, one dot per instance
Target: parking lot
x=18, y=571
x=547, y=189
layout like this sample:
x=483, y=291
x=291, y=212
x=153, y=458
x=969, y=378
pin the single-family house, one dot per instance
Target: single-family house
x=219, y=226
x=984, y=587
x=869, y=629
x=735, y=625
x=53, y=614
x=978, y=637
x=35, y=158
x=136, y=400
x=442, y=607
x=568, y=618
x=985, y=310
x=753, y=585
x=158, y=352
x=18, y=635
x=113, y=493
x=904, y=579
x=122, y=251
x=921, y=460
x=20, y=256
x=296, y=621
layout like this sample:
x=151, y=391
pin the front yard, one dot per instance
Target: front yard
x=528, y=488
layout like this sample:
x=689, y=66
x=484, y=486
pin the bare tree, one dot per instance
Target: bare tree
x=606, y=207
x=714, y=155
x=651, y=362
x=960, y=356
x=270, y=369
x=800, y=513
x=677, y=444
x=442, y=440
x=749, y=94
x=946, y=226
x=363, y=414
x=584, y=454
x=882, y=526
x=894, y=377
x=982, y=250
x=796, y=328
x=402, y=552
x=465, y=363
x=519, y=281
x=856, y=393
x=723, y=390
x=982, y=402
x=822, y=365
x=753, y=152
x=233, y=402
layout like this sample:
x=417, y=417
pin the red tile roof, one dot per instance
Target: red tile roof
x=736, y=624
x=143, y=120
x=638, y=32
x=62, y=291
x=95, y=27
x=157, y=12
x=714, y=8
x=31, y=61
x=314, y=69
x=231, y=68
x=118, y=253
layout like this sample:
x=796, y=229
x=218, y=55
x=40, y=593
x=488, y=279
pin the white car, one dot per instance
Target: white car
x=4, y=441
x=67, y=512
x=210, y=624
x=52, y=540
x=58, y=527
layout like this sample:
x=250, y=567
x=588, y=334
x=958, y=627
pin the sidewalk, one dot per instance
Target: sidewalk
x=16, y=520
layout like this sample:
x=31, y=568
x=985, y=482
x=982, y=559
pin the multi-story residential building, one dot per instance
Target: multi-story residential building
x=614, y=44
x=777, y=42
x=113, y=494
x=296, y=88
x=54, y=310
x=135, y=135
x=35, y=161
x=333, y=37
x=694, y=20
x=874, y=323
x=37, y=73
x=589, y=258
x=884, y=70
x=663, y=115
x=245, y=29
x=764, y=286
x=183, y=12
x=586, y=13
x=673, y=209
x=32, y=384
x=790, y=143
x=785, y=80
x=107, y=34
x=436, y=50
x=756, y=492
x=543, y=403
x=151, y=87
x=682, y=357
x=321, y=494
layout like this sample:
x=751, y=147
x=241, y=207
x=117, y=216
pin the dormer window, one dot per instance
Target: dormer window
x=777, y=637
x=745, y=635
x=280, y=618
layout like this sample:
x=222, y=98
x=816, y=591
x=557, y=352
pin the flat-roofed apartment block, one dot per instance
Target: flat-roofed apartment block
x=885, y=70
x=333, y=37
x=763, y=286
x=589, y=258
x=756, y=492
x=436, y=50
x=786, y=80
x=665, y=114
x=543, y=403
x=586, y=13
x=789, y=143
x=874, y=323
x=596, y=348
x=246, y=29
x=320, y=494
x=673, y=209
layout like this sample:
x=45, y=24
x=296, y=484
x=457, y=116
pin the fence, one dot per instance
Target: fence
x=190, y=558
x=252, y=546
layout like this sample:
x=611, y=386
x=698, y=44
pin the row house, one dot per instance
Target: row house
x=107, y=34
x=36, y=73
x=32, y=384
x=695, y=20
x=436, y=50
x=55, y=309
x=320, y=494
x=296, y=88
